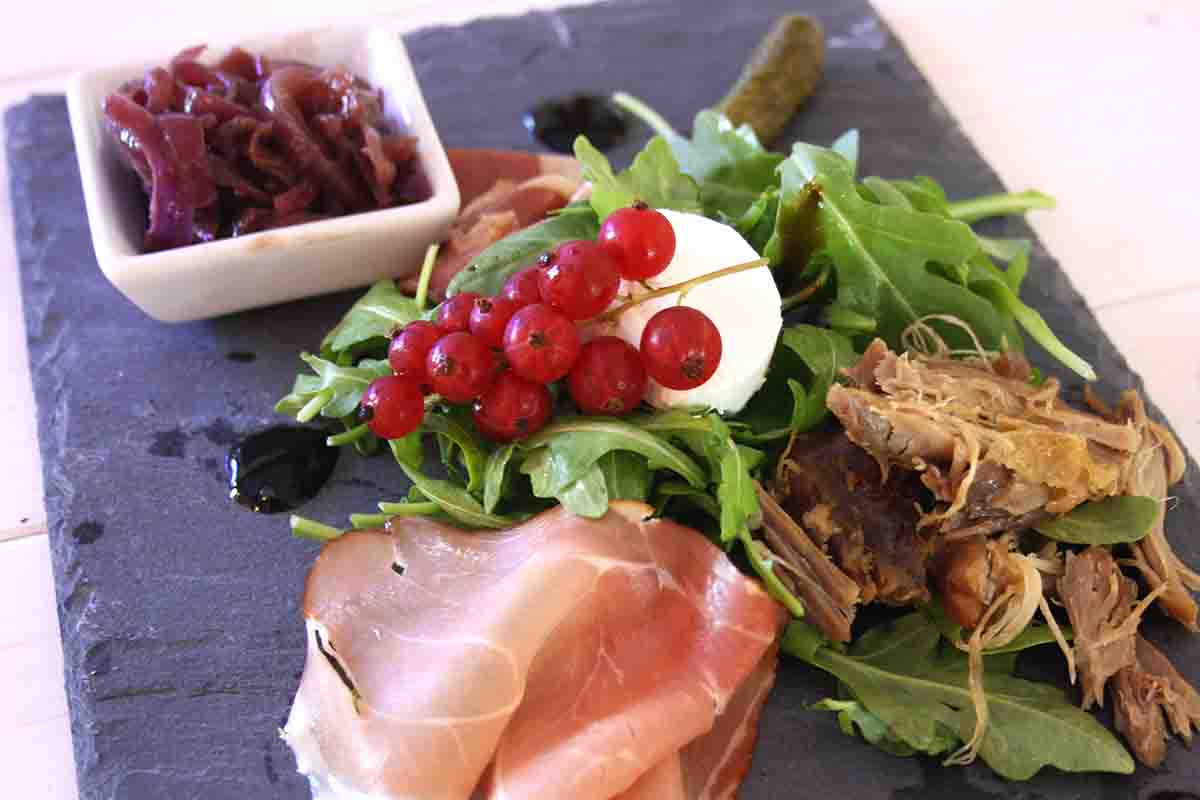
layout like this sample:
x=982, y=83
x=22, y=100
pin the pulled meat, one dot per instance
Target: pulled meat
x=1100, y=603
x=828, y=593
x=970, y=575
x=1157, y=464
x=254, y=143
x=1148, y=695
x=867, y=522
x=969, y=426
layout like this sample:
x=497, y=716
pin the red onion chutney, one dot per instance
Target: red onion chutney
x=253, y=143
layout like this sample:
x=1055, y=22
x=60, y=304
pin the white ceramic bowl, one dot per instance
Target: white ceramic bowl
x=205, y=280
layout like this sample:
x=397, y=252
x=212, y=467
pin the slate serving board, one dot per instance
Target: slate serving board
x=180, y=612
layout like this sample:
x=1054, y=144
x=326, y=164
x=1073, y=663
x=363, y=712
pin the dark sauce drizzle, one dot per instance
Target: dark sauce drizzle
x=556, y=122
x=279, y=468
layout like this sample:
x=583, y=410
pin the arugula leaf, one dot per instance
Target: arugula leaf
x=625, y=475
x=785, y=403
x=730, y=166
x=881, y=253
x=997, y=205
x=846, y=146
x=924, y=194
x=573, y=445
x=919, y=691
x=456, y=439
x=407, y=450
x=489, y=270
x=1121, y=519
x=1005, y=248
x=334, y=391
x=654, y=178
x=851, y=715
x=495, y=473
x=1000, y=292
x=587, y=496
x=735, y=490
x=375, y=315
x=669, y=490
x=454, y=500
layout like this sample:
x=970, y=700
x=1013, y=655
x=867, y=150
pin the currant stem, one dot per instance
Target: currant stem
x=682, y=287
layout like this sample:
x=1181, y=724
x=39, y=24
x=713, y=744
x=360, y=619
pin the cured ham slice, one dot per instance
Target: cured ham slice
x=564, y=658
x=502, y=191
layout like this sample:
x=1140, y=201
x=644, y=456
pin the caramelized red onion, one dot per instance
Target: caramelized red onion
x=253, y=143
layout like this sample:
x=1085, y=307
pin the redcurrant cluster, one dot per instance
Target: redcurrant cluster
x=500, y=352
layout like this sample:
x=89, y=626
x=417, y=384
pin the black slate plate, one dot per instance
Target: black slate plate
x=179, y=611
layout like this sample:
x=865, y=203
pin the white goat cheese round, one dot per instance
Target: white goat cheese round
x=745, y=307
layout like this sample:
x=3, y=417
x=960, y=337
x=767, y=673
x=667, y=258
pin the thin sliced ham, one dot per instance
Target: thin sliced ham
x=564, y=658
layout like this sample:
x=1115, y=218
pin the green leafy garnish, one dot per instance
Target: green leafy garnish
x=917, y=688
x=375, y=316
x=626, y=475
x=881, y=253
x=586, y=496
x=495, y=476
x=454, y=500
x=489, y=270
x=786, y=403
x=457, y=445
x=334, y=391
x=1113, y=520
x=574, y=445
x=654, y=178
x=997, y=205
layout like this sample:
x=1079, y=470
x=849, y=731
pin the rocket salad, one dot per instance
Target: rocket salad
x=580, y=360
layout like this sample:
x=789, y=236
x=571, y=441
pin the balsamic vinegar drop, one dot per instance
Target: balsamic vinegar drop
x=280, y=468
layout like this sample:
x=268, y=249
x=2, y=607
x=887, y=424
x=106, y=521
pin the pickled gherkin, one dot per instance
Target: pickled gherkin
x=780, y=75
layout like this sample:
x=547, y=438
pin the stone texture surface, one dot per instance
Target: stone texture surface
x=180, y=612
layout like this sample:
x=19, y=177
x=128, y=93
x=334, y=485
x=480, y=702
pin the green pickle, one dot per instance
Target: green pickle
x=780, y=75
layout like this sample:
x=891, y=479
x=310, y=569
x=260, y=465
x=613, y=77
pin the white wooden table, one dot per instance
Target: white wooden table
x=1092, y=103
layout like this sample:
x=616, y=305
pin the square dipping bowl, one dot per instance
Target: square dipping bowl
x=280, y=264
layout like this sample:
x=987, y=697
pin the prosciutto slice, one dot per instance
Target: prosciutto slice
x=563, y=658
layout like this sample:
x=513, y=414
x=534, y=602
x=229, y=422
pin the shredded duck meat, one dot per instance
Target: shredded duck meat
x=1157, y=464
x=828, y=593
x=867, y=524
x=1100, y=603
x=966, y=426
x=1148, y=695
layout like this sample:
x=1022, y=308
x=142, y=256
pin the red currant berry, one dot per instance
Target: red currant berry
x=512, y=408
x=522, y=288
x=640, y=240
x=460, y=367
x=681, y=347
x=392, y=406
x=455, y=313
x=488, y=318
x=540, y=343
x=410, y=346
x=608, y=377
x=579, y=279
